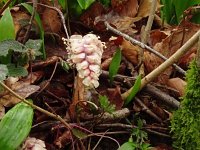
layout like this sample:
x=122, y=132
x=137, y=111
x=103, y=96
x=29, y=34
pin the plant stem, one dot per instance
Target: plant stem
x=57, y=117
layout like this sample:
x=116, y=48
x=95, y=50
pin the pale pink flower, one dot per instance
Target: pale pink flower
x=85, y=52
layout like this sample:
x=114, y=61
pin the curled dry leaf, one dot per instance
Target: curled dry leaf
x=177, y=84
x=22, y=87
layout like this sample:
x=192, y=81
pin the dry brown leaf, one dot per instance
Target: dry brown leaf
x=157, y=36
x=23, y=88
x=144, y=8
x=2, y=111
x=127, y=8
x=177, y=84
x=124, y=24
x=51, y=21
x=168, y=47
x=130, y=51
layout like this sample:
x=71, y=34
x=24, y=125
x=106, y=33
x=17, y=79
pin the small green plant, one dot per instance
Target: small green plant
x=105, y=104
x=186, y=120
x=137, y=139
x=134, y=91
x=172, y=11
x=115, y=64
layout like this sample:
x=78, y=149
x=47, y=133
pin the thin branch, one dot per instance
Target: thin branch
x=57, y=117
x=142, y=45
x=60, y=14
x=179, y=53
x=147, y=110
x=5, y=6
x=30, y=22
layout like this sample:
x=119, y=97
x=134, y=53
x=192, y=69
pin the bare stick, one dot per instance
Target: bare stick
x=57, y=117
x=5, y=6
x=145, y=35
x=176, y=56
x=142, y=45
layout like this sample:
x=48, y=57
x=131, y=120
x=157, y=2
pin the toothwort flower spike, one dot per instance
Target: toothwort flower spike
x=85, y=52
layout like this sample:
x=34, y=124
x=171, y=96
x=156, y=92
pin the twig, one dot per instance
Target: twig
x=5, y=6
x=180, y=52
x=49, y=80
x=142, y=45
x=61, y=16
x=147, y=110
x=57, y=117
x=161, y=95
x=30, y=22
x=145, y=36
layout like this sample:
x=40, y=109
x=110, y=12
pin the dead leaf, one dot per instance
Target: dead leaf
x=22, y=87
x=177, y=84
x=51, y=21
x=130, y=51
x=127, y=8
x=62, y=140
x=124, y=24
x=2, y=111
x=144, y=8
x=168, y=47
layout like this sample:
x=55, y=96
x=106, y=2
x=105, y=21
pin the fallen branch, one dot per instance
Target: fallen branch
x=57, y=117
x=176, y=56
x=142, y=45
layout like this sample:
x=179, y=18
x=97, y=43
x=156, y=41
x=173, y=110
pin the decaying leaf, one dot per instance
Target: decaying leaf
x=169, y=46
x=177, y=84
x=127, y=8
x=144, y=8
x=51, y=21
x=2, y=111
x=130, y=51
x=22, y=87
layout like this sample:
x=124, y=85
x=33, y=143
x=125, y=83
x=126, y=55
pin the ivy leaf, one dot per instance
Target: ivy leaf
x=3, y=72
x=7, y=28
x=84, y=4
x=135, y=89
x=7, y=45
x=105, y=104
x=115, y=63
x=14, y=71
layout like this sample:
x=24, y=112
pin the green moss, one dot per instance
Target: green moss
x=185, y=123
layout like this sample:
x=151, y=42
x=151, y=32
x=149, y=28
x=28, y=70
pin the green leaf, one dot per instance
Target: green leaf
x=63, y=4
x=7, y=29
x=18, y=71
x=105, y=104
x=84, y=4
x=15, y=126
x=34, y=44
x=128, y=146
x=64, y=65
x=78, y=133
x=3, y=72
x=7, y=45
x=115, y=64
x=39, y=22
x=135, y=89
